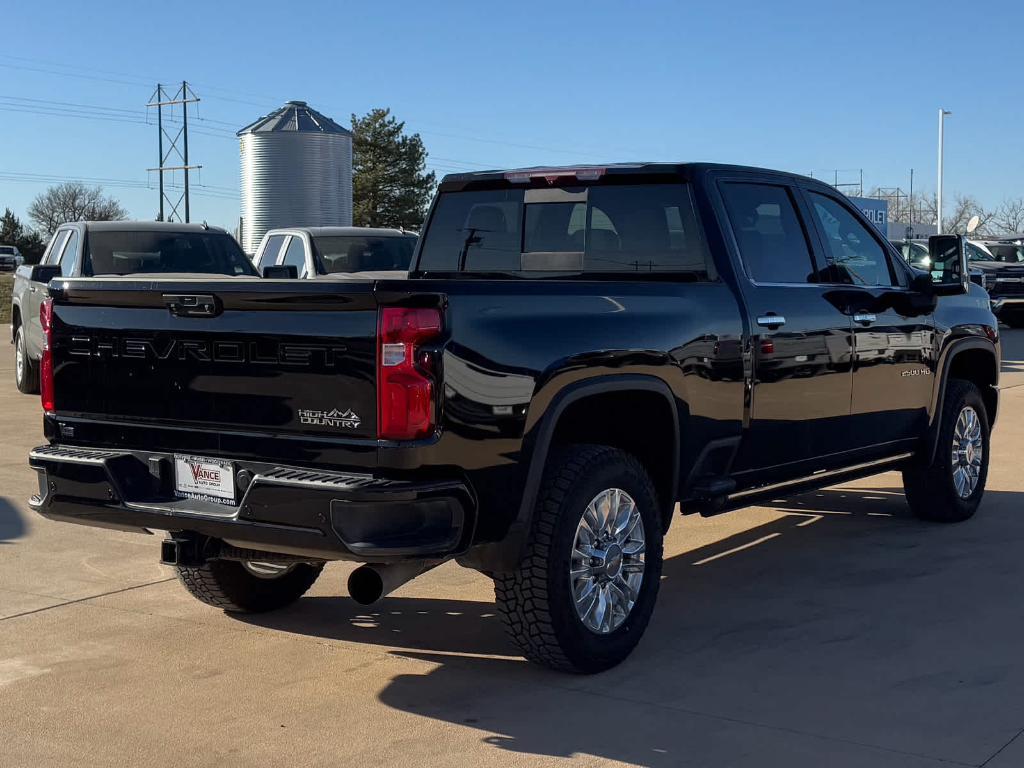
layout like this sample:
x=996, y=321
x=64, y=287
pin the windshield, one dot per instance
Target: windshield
x=7, y=249
x=358, y=253
x=974, y=253
x=1013, y=254
x=126, y=253
x=579, y=229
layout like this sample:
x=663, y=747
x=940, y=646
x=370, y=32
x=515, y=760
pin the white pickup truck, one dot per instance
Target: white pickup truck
x=338, y=252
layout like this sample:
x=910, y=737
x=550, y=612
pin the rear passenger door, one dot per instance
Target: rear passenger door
x=37, y=292
x=894, y=356
x=801, y=341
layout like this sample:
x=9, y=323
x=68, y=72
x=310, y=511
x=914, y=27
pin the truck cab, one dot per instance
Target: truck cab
x=337, y=252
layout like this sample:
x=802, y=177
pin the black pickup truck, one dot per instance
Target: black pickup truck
x=576, y=351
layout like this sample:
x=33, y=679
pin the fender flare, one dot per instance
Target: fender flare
x=955, y=348
x=506, y=554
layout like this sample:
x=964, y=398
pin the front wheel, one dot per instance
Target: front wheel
x=248, y=587
x=949, y=489
x=26, y=375
x=582, y=596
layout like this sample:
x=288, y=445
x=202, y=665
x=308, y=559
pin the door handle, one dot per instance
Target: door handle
x=864, y=317
x=771, y=321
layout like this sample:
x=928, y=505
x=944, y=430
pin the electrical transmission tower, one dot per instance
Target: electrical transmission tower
x=177, y=145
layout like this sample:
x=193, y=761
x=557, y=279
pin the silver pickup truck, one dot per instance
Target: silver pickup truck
x=113, y=248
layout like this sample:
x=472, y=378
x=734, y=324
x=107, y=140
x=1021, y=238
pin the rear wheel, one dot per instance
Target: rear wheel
x=248, y=587
x=585, y=590
x=26, y=375
x=949, y=489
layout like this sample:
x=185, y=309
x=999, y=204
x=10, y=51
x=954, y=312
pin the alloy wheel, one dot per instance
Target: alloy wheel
x=968, y=451
x=607, y=564
x=267, y=570
x=19, y=359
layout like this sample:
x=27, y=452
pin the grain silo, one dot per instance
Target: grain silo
x=296, y=171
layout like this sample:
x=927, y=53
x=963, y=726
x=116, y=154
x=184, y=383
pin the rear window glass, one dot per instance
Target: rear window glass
x=612, y=228
x=344, y=253
x=126, y=253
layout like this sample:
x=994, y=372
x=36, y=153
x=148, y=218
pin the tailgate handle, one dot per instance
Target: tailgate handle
x=192, y=305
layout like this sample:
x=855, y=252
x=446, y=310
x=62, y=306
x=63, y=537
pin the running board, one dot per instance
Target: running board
x=752, y=496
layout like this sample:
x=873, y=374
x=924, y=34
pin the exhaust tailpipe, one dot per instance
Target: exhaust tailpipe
x=369, y=583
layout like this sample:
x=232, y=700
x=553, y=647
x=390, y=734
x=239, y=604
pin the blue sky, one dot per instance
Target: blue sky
x=803, y=86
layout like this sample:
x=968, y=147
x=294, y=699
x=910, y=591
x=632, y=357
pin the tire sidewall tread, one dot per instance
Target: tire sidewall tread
x=536, y=600
x=227, y=585
x=29, y=383
x=930, y=491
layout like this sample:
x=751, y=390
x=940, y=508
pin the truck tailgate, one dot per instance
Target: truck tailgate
x=287, y=357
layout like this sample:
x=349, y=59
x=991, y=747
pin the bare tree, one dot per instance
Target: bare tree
x=73, y=201
x=1008, y=218
x=964, y=208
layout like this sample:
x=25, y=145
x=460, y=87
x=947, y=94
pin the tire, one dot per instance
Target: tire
x=26, y=373
x=932, y=490
x=1013, y=319
x=234, y=587
x=536, y=601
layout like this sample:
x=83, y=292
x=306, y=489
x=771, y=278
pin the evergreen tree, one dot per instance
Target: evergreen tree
x=390, y=185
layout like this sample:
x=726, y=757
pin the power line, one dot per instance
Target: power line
x=212, y=191
x=97, y=107
x=266, y=101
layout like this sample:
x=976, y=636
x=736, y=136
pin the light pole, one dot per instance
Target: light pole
x=938, y=194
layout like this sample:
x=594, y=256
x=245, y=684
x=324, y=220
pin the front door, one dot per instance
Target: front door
x=801, y=341
x=894, y=358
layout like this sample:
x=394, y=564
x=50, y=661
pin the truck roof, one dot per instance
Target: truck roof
x=611, y=169
x=142, y=226
x=345, y=231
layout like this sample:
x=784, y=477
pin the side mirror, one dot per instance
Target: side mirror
x=949, y=272
x=281, y=272
x=44, y=273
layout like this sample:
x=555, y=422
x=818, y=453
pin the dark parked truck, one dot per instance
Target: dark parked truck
x=576, y=351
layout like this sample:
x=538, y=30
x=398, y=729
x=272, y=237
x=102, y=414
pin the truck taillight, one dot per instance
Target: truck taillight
x=46, y=363
x=405, y=382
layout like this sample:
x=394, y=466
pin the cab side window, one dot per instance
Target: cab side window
x=853, y=251
x=271, y=252
x=770, y=237
x=295, y=256
x=69, y=255
x=56, y=246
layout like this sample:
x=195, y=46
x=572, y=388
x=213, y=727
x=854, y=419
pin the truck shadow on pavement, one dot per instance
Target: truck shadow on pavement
x=831, y=630
x=12, y=523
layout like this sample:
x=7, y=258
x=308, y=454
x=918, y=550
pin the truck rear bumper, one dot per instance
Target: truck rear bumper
x=312, y=513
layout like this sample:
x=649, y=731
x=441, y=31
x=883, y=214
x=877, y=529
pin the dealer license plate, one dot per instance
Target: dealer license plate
x=208, y=479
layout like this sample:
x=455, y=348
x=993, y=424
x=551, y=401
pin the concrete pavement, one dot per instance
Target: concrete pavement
x=826, y=630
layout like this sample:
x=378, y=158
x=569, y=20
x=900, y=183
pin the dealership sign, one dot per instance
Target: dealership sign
x=877, y=212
